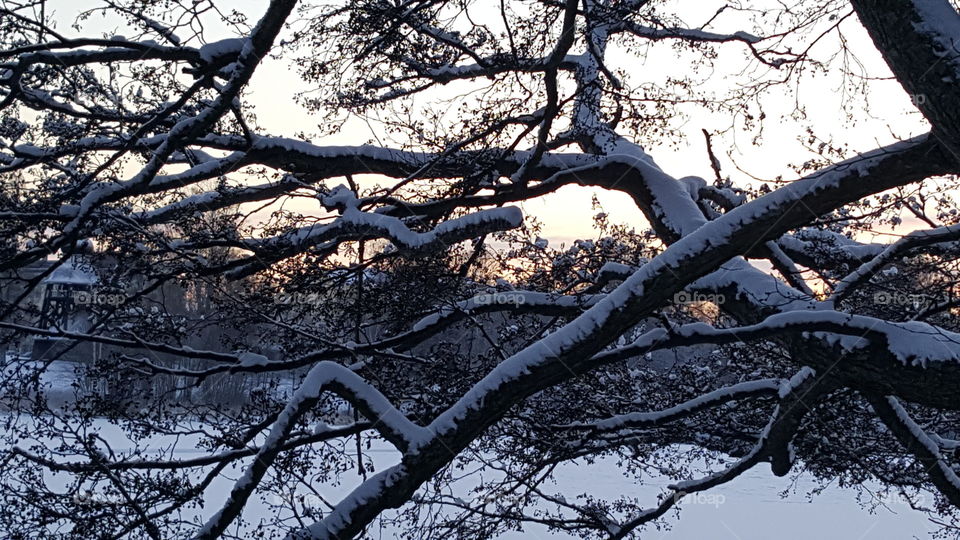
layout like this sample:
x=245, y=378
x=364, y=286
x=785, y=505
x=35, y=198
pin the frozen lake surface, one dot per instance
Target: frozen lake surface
x=749, y=508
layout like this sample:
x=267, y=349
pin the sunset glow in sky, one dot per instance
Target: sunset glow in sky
x=567, y=214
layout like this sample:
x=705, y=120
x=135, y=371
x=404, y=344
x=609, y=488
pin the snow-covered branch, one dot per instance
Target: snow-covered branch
x=910, y=343
x=354, y=224
x=100, y=193
x=644, y=420
x=913, y=240
x=918, y=40
x=781, y=425
x=917, y=441
x=225, y=457
x=324, y=377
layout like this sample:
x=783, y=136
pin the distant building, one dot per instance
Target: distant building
x=68, y=294
x=67, y=297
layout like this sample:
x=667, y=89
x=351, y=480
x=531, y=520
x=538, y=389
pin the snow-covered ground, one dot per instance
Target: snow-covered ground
x=749, y=508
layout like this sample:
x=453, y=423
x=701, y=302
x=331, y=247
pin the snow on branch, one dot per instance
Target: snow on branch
x=104, y=192
x=354, y=224
x=918, y=40
x=915, y=239
x=202, y=461
x=816, y=248
x=739, y=280
x=939, y=20
x=687, y=34
x=913, y=438
x=134, y=343
x=787, y=268
x=111, y=51
x=311, y=164
x=783, y=419
x=324, y=377
x=744, y=390
x=911, y=343
x=515, y=301
x=702, y=36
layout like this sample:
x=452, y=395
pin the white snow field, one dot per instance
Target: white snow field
x=748, y=508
